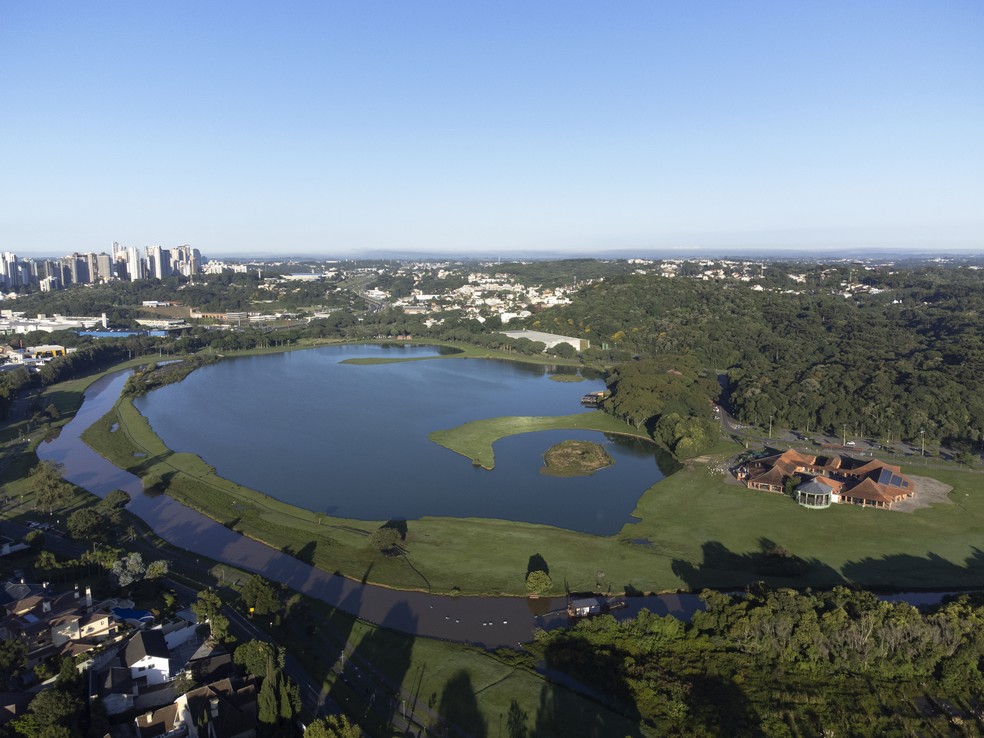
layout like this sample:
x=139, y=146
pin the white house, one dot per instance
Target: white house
x=147, y=656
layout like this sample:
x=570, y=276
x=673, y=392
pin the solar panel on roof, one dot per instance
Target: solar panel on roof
x=885, y=476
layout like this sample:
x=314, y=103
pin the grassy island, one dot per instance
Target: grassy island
x=575, y=459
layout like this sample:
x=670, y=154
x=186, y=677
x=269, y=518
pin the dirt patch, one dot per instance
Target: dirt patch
x=929, y=491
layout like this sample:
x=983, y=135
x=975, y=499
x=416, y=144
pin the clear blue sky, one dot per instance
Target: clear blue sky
x=469, y=125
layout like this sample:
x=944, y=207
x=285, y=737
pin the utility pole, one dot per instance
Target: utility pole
x=922, y=436
x=770, y=426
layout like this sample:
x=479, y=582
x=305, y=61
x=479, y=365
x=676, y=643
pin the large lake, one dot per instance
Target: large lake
x=352, y=440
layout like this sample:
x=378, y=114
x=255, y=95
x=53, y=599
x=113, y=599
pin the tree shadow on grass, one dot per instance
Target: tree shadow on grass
x=374, y=672
x=459, y=707
x=907, y=571
x=303, y=553
x=722, y=567
x=537, y=563
x=587, y=694
x=399, y=525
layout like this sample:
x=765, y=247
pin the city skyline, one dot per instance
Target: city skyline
x=571, y=128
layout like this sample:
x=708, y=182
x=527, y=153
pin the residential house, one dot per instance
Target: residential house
x=223, y=709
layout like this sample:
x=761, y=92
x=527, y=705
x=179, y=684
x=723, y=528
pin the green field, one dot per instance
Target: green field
x=696, y=529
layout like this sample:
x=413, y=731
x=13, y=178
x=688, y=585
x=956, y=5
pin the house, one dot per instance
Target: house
x=222, y=709
x=147, y=656
x=829, y=479
x=583, y=608
x=49, y=623
x=126, y=677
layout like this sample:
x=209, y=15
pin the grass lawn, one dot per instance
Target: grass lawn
x=695, y=528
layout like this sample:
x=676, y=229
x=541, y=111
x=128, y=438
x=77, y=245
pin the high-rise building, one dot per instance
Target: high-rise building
x=104, y=268
x=8, y=270
x=159, y=262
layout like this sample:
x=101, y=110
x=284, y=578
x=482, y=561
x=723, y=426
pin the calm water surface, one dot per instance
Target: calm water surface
x=352, y=440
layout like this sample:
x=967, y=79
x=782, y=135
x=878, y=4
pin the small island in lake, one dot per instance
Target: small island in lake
x=575, y=459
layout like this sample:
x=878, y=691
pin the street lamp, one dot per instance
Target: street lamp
x=770, y=426
x=922, y=436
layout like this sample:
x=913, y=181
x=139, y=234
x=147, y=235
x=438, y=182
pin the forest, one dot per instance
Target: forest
x=901, y=355
x=777, y=662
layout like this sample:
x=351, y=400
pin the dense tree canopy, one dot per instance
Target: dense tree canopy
x=904, y=357
x=756, y=662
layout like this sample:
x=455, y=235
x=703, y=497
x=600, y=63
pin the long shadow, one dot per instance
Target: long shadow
x=305, y=553
x=902, y=570
x=722, y=567
x=720, y=704
x=537, y=563
x=588, y=695
x=459, y=707
x=374, y=672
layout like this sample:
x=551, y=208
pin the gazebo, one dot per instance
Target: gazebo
x=814, y=495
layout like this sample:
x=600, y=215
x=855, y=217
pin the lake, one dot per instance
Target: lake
x=352, y=440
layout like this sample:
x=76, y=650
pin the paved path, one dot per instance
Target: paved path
x=486, y=621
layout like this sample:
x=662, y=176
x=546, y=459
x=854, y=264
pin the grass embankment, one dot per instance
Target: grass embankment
x=575, y=459
x=475, y=439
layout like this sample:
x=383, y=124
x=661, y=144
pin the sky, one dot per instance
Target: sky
x=344, y=127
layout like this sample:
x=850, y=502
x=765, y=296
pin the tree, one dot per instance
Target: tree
x=112, y=505
x=207, y=609
x=563, y=350
x=289, y=695
x=52, y=714
x=50, y=489
x=333, y=726
x=46, y=561
x=790, y=486
x=261, y=595
x=13, y=661
x=116, y=499
x=254, y=656
x=538, y=582
x=128, y=570
x=267, y=703
x=385, y=539
x=157, y=569
x=86, y=523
